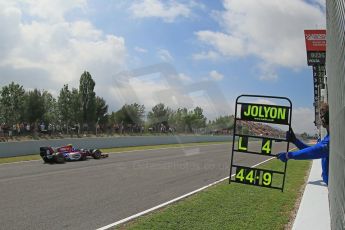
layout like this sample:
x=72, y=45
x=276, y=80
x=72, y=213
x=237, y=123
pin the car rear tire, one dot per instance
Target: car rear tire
x=59, y=158
x=97, y=154
x=46, y=160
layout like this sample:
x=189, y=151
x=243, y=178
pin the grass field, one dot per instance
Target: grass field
x=233, y=206
x=111, y=150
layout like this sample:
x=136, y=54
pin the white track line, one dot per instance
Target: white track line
x=17, y=162
x=170, y=201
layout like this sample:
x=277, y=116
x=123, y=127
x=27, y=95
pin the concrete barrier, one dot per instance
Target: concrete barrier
x=20, y=148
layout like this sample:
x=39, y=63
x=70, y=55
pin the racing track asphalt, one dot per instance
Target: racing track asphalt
x=94, y=193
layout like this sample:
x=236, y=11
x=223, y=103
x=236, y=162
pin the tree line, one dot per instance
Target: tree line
x=80, y=110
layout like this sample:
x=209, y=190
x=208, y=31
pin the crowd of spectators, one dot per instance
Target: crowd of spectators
x=41, y=130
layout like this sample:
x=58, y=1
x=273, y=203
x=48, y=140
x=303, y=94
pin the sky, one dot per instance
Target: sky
x=184, y=53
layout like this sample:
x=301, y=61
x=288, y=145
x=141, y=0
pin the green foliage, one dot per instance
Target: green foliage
x=69, y=106
x=88, y=98
x=101, y=110
x=160, y=114
x=188, y=121
x=35, y=106
x=221, y=122
x=304, y=135
x=51, y=114
x=75, y=106
x=198, y=120
x=178, y=119
x=12, y=103
x=130, y=114
x=64, y=103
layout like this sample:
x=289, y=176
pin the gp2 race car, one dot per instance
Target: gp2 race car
x=68, y=153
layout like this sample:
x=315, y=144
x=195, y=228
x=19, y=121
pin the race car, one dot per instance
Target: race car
x=68, y=153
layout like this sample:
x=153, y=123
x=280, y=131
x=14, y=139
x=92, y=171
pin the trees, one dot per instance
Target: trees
x=129, y=116
x=35, y=107
x=188, y=121
x=198, y=120
x=304, y=135
x=69, y=106
x=88, y=98
x=222, y=123
x=51, y=114
x=75, y=107
x=101, y=110
x=82, y=108
x=12, y=103
x=64, y=105
x=132, y=114
x=178, y=119
x=160, y=114
x=194, y=119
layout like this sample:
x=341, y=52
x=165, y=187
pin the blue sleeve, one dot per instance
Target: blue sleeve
x=316, y=151
x=300, y=144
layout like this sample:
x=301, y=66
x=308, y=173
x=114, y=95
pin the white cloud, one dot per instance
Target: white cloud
x=267, y=29
x=214, y=75
x=142, y=90
x=140, y=50
x=52, y=11
x=168, y=11
x=268, y=71
x=209, y=55
x=303, y=120
x=184, y=78
x=224, y=44
x=10, y=27
x=212, y=109
x=197, y=4
x=176, y=91
x=264, y=101
x=41, y=53
x=164, y=55
x=151, y=90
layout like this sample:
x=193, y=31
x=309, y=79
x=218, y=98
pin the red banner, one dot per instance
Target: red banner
x=315, y=40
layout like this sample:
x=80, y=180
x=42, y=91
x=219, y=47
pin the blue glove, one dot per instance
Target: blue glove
x=290, y=136
x=282, y=157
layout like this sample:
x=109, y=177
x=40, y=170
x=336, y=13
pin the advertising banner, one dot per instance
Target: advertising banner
x=316, y=58
x=315, y=40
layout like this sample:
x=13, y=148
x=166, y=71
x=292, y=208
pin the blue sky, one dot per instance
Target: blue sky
x=233, y=47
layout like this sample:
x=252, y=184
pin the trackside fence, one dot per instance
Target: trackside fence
x=21, y=148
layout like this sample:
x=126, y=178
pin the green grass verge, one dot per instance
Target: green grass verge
x=233, y=206
x=19, y=158
x=111, y=150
